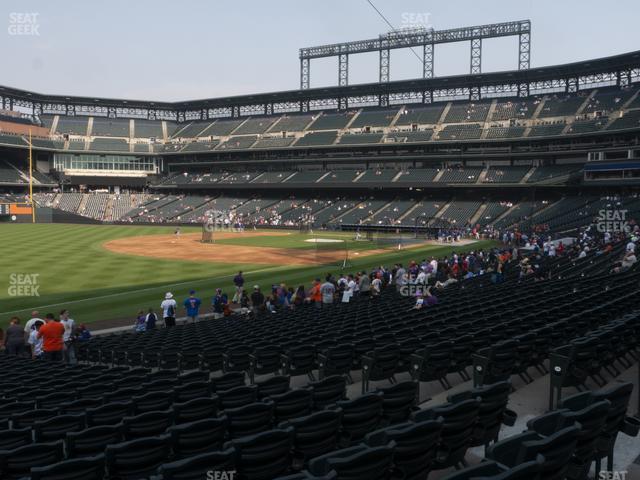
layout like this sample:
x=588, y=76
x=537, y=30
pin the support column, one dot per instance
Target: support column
x=385, y=65
x=524, y=51
x=476, y=56
x=427, y=60
x=343, y=70
x=305, y=73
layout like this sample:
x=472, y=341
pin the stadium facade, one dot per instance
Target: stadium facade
x=545, y=146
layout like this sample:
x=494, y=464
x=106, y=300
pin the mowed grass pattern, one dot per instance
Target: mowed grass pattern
x=76, y=272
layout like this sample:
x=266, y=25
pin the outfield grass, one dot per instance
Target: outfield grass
x=74, y=271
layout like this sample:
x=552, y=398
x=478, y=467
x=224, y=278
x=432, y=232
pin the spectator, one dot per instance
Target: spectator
x=68, y=337
x=218, y=303
x=238, y=281
x=169, y=307
x=34, y=318
x=315, y=295
x=35, y=341
x=151, y=320
x=449, y=281
x=140, y=325
x=364, y=285
x=257, y=299
x=83, y=333
x=192, y=306
x=327, y=290
x=14, y=338
x=52, y=334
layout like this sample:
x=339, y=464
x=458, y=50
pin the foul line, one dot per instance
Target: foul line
x=70, y=302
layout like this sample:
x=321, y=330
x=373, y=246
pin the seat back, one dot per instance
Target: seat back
x=264, y=456
x=200, y=466
x=237, y=396
x=328, y=391
x=292, y=404
x=196, y=409
x=198, y=437
x=273, y=386
x=399, y=400
x=316, y=434
x=14, y=438
x=416, y=445
x=356, y=463
x=250, y=419
x=147, y=424
x=56, y=428
x=89, y=468
x=92, y=441
x=17, y=463
x=109, y=413
x=138, y=458
x=361, y=415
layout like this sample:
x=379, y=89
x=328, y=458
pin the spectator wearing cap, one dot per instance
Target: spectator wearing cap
x=219, y=303
x=257, y=299
x=169, y=307
x=192, y=306
x=238, y=281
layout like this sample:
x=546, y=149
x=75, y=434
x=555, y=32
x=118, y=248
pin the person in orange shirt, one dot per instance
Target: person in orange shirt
x=315, y=295
x=52, y=333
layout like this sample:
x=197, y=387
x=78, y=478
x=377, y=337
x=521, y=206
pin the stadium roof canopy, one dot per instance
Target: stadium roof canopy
x=618, y=70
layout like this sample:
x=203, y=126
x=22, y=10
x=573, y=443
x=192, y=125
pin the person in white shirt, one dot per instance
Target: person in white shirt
x=34, y=318
x=631, y=247
x=169, y=308
x=67, y=337
x=376, y=286
x=34, y=341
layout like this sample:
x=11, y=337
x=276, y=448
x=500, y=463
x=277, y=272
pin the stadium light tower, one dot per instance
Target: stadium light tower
x=418, y=37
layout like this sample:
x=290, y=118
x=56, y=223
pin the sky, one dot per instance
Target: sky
x=189, y=49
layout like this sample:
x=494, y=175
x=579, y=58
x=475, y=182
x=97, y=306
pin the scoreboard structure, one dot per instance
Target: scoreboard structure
x=16, y=212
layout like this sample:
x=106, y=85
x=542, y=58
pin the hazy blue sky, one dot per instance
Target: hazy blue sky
x=178, y=50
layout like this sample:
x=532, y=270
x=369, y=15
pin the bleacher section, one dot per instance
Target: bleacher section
x=505, y=174
x=514, y=109
x=255, y=126
x=408, y=137
x=418, y=175
x=467, y=112
x=110, y=127
x=72, y=125
x=148, y=129
x=312, y=139
x=331, y=121
x=236, y=143
x=561, y=106
x=547, y=173
x=109, y=145
x=460, y=175
x=293, y=123
x=274, y=142
x=358, y=138
x=543, y=130
x=463, y=131
x=420, y=115
x=374, y=118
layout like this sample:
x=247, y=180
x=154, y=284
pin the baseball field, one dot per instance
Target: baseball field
x=104, y=274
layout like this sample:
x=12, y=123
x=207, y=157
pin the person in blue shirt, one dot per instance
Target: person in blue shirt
x=192, y=306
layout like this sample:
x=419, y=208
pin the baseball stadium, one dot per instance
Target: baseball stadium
x=430, y=277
